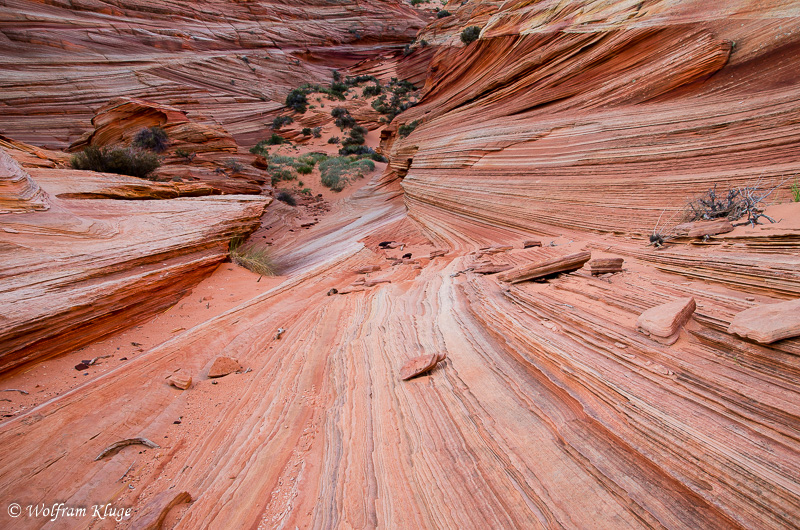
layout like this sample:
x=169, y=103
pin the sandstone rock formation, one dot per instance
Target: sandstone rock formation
x=89, y=266
x=18, y=191
x=232, y=62
x=580, y=125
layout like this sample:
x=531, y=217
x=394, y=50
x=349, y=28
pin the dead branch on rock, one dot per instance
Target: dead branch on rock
x=15, y=390
x=116, y=446
x=736, y=203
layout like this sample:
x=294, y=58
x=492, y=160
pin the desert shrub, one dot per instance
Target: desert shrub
x=252, y=256
x=416, y=2
x=306, y=191
x=334, y=140
x=234, y=165
x=311, y=159
x=443, y=13
x=317, y=132
x=306, y=131
x=260, y=148
x=338, y=172
x=297, y=101
x=357, y=150
x=371, y=90
x=280, y=121
x=356, y=137
x=470, y=34
x=407, y=50
x=304, y=170
x=153, y=139
x=286, y=197
x=406, y=129
x=277, y=139
x=423, y=43
x=119, y=160
x=343, y=118
x=183, y=153
x=796, y=191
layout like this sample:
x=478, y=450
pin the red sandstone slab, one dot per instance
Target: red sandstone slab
x=569, y=262
x=666, y=319
x=418, y=365
x=223, y=366
x=768, y=323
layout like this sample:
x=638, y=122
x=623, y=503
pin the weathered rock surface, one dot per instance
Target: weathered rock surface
x=768, y=323
x=666, y=319
x=153, y=515
x=18, y=191
x=88, y=267
x=576, y=123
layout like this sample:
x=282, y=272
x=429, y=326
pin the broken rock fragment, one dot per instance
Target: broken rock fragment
x=223, y=366
x=367, y=269
x=419, y=365
x=180, y=381
x=665, y=320
x=768, y=323
x=605, y=265
x=529, y=243
x=545, y=267
x=153, y=515
x=704, y=228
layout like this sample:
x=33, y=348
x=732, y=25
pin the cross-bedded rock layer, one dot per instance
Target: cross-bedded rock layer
x=579, y=125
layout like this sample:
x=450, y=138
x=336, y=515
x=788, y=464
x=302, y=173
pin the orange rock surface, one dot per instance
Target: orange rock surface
x=587, y=126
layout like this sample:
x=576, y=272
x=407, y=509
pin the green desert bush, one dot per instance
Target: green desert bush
x=297, y=101
x=277, y=139
x=372, y=90
x=119, y=160
x=280, y=121
x=152, y=139
x=443, y=13
x=406, y=129
x=252, y=256
x=338, y=172
x=470, y=34
x=796, y=191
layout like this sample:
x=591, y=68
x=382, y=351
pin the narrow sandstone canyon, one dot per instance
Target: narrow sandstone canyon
x=582, y=226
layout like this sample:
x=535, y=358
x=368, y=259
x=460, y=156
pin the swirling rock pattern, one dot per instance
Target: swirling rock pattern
x=577, y=125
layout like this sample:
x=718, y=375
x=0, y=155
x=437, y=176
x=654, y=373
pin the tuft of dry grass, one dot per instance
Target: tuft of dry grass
x=252, y=257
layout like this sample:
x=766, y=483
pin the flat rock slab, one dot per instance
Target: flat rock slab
x=605, y=265
x=367, y=269
x=154, y=513
x=768, y=323
x=223, y=366
x=666, y=319
x=546, y=267
x=419, y=365
x=704, y=228
x=492, y=269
